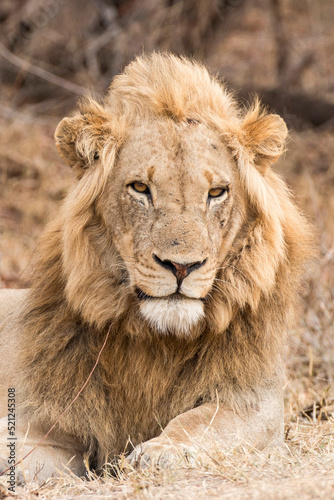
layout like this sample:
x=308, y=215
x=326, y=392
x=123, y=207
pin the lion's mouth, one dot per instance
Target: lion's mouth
x=174, y=296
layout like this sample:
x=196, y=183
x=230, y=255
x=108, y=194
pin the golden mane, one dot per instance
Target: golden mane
x=74, y=298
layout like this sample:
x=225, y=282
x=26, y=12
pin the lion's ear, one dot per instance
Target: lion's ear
x=264, y=137
x=80, y=138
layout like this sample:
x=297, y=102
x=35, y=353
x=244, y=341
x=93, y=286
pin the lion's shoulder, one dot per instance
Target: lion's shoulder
x=11, y=304
x=11, y=301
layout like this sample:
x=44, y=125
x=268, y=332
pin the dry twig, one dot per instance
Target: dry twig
x=40, y=72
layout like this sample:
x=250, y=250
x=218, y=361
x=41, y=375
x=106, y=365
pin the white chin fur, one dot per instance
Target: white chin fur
x=171, y=315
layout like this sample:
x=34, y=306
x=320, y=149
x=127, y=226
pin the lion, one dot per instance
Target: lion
x=180, y=241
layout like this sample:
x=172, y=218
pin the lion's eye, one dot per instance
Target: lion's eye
x=140, y=187
x=217, y=192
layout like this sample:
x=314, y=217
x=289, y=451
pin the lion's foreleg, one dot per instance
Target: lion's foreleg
x=50, y=458
x=211, y=428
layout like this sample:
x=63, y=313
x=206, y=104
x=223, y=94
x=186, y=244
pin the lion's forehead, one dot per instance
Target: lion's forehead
x=157, y=151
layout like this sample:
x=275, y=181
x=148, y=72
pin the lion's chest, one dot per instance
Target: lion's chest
x=146, y=386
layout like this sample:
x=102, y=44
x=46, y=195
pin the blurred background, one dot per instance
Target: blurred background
x=52, y=51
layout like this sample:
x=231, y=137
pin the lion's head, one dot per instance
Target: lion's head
x=176, y=214
x=175, y=204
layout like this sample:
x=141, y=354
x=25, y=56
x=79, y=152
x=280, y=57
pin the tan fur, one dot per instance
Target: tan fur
x=167, y=123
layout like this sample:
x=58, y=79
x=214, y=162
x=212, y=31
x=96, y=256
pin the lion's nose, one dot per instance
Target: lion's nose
x=180, y=271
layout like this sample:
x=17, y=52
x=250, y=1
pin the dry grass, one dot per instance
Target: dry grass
x=32, y=180
x=304, y=467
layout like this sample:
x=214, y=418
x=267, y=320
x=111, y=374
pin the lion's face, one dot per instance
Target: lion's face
x=174, y=206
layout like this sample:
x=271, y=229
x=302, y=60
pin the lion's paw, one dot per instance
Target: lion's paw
x=153, y=454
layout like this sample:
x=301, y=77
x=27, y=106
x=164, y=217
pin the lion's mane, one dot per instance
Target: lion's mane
x=143, y=379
